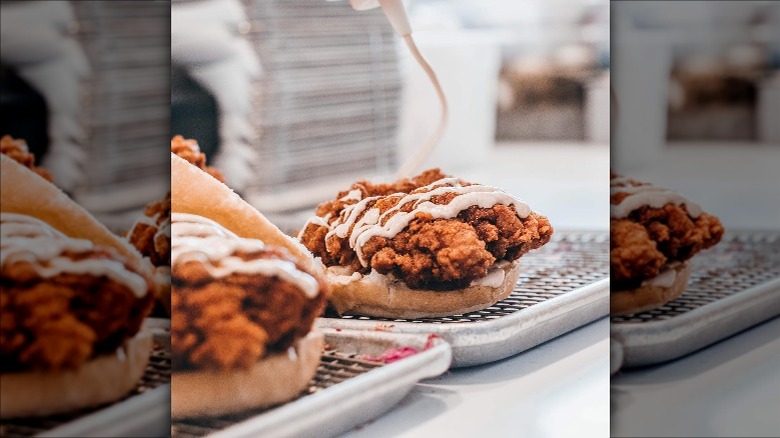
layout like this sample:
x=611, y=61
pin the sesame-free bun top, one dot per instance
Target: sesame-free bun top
x=23, y=191
x=196, y=192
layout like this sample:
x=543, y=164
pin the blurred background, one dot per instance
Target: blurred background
x=716, y=66
x=697, y=85
x=86, y=84
x=294, y=100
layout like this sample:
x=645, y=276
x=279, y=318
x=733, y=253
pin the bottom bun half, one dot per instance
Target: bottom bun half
x=380, y=296
x=104, y=379
x=272, y=380
x=669, y=285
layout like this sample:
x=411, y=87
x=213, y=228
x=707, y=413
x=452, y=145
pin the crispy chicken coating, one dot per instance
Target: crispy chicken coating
x=17, y=150
x=189, y=150
x=146, y=237
x=233, y=321
x=649, y=239
x=63, y=321
x=429, y=253
x=633, y=255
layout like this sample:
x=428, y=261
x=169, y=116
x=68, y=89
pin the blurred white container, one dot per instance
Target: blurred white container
x=768, y=109
x=641, y=62
x=467, y=64
x=597, y=109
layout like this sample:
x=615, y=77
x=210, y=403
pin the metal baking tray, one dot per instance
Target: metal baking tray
x=734, y=285
x=562, y=286
x=347, y=391
x=143, y=412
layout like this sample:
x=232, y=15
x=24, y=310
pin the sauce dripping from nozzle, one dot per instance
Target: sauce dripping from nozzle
x=396, y=15
x=417, y=158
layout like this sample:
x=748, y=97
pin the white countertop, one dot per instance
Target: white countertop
x=727, y=389
x=560, y=388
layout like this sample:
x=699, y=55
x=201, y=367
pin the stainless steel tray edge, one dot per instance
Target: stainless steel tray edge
x=353, y=402
x=483, y=342
x=659, y=341
x=145, y=415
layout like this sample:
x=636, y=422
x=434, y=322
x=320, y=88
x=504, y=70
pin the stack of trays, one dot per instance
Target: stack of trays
x=327, y=104
x=127, y=98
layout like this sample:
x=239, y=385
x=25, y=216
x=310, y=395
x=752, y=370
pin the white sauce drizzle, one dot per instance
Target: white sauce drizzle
x=145, y=220
x=164, y=229
x=162, y=237
x=372, y=223
x=494, y=277
x=24, y=238
x=315, y=220
x=195, y=238
x=322, y=221
x=353, y=195
x=666, y=278
x=646, y=194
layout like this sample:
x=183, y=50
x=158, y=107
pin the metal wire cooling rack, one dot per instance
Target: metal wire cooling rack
x=734, y=285
x=158, y=372
x=335, y=367
x=739, y=263
x=563, y=285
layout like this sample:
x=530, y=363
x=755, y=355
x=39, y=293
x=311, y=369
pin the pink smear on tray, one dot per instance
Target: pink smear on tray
x=395, y=354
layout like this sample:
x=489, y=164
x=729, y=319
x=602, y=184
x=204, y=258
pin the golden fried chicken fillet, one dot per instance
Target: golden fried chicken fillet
x=431, y=250
x=150, y=234
x=235, y=300
x=63, y=301
x=653, y=228
x=190, y=151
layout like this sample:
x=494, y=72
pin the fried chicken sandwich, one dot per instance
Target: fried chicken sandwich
x=73, y=297
x=244, y=300
x=654, y=232
x=427, y=246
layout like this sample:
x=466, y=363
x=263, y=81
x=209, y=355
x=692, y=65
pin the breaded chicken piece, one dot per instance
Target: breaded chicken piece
x=429, y=253
x=633, y=255
x=17, y=150
x=233, y=321
x=189, y=150
x=145, y=236
x=142, y=235
x=646, y=242
x=65, y=320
